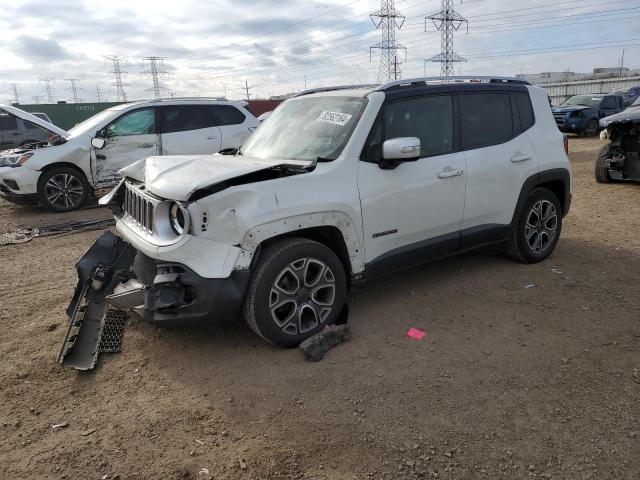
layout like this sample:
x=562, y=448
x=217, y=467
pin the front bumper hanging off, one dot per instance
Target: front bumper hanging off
x=113, y=277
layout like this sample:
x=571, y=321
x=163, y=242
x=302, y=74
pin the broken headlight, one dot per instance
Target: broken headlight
x=179, y=218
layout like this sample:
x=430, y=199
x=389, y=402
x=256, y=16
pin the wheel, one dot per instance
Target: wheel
x=537, y=230
x=590, y=129
x=62, y=189
x=298, y=286
x=601, y=170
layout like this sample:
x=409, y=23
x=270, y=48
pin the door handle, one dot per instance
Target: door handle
x=520, y=157
x=147, y=145
x=212, y=137
x=448, y=173
x=99, y=156
x=15, y=134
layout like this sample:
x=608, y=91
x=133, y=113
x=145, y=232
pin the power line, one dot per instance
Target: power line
x=153, y=71
x=74, y=89
x=390, y=19
x=118, y=73
x=48, y=89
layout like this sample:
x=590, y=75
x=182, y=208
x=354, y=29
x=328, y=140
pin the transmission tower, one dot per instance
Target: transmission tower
x=388, y=19
x=98, y=93
x=73, y=87
x=16, y=98
x=446, y=21
x=48, y=89
x=153, y=71
x=36, y=99
x=118, y=73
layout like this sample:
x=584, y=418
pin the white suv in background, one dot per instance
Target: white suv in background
x=337, y=186
x=61, y=173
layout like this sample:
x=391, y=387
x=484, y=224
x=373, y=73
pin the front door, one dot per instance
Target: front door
x=412, y=213
x=189, y=130
x=129, y=138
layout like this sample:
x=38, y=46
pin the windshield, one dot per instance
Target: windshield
x=91, y=124
x=636, y=103
x=307, y=129
x=585, y=100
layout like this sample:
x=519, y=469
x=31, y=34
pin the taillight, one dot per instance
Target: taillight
x=566, y=144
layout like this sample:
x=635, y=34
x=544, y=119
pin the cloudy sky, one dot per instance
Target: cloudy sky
x=277, y=46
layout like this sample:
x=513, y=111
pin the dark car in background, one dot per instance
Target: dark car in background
x=581, y=114
x=630, y=95
x=16, y=132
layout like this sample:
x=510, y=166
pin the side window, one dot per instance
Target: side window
x=428, y=118
x=525, y=111
x=7, y=122
x=182, y=118
x=608, y=102
x=486, y=119
x=227, y=115
x=138, y=122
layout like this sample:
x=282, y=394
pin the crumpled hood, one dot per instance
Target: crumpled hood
x=568, y=109
x=177, y=177
x=16, y=112
x=630, y=114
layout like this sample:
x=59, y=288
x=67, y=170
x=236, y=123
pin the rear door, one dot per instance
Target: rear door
x=129, y=138
x=10, y=133
x=232, y=125
x=499, y=159
x=610, y=106
x=189, y=130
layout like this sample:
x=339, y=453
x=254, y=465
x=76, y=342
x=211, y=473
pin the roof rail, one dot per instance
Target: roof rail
x=330, y=89
x=188, y=98
x=453, y=79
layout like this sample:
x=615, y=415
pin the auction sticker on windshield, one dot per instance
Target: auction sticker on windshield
x=336, y=118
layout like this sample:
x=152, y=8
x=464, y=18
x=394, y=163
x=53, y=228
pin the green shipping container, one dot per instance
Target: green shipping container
x=66, y=115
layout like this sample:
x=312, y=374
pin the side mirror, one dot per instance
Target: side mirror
x=401, y=149
x=98, y=143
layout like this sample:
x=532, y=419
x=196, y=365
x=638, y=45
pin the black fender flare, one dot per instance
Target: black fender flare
x=557, y=176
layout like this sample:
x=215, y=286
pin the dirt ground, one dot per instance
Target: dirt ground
x=509, y=383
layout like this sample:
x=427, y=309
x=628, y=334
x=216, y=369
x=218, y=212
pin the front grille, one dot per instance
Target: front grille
x=139, y=208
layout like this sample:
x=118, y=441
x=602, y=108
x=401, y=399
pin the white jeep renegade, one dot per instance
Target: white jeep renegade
x=337, y=186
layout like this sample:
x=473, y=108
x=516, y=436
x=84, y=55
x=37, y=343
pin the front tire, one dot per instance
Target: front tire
x=298, y=287
x=538, y=228
x=62, y=189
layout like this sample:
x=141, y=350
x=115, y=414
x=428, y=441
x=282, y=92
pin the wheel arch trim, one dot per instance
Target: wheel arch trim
x=558, y=180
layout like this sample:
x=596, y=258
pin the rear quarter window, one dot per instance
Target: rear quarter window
x=8, y=122
x=227, y=115
x=486, y=119
x=524, y=111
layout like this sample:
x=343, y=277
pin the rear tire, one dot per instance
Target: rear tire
x=601, y=170
x=297, y=288
x=538, y=228
x=63, y=189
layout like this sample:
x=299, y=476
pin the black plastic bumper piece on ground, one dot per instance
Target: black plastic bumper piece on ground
x=107, y=263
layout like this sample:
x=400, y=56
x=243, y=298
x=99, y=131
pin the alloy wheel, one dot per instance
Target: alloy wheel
x=64, y=191
x=302, y=296
x=541, y=227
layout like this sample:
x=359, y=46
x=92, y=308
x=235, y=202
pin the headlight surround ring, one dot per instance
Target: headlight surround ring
x=179, y=219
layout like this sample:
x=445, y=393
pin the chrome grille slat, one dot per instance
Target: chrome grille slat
x=140, y=208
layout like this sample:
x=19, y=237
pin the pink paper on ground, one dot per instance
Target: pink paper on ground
x=415, y=333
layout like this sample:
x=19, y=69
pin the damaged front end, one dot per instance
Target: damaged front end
x=113, y=278
x=620, y=159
